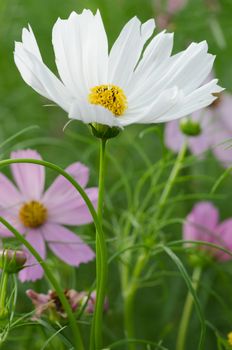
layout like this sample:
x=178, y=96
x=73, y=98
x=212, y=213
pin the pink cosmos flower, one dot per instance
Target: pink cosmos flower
x=202, y=224
x=45, y=303
x=41, y=216
x=216, y=129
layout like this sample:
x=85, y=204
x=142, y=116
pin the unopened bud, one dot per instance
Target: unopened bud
x=190, y=127
x=12, y=261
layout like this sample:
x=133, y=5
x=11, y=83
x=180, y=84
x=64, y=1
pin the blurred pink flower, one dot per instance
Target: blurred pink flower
x=45, y=303
x=202, y=224
x=216, y=128
x=91, y=302
x=51, y=303
x=41, y=215
x=166, y=13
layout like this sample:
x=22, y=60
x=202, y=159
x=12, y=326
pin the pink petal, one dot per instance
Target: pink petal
x=224, y=239
x=201, y=223
x=198, y=145
x=173, y=137
x=10, y=198
x=14, y=221
x=34, y=271
x=71, y=210
x=222, y=147
x=66, y=245
x=223, y=110
x=174, y=6
x=61, y=187
x=29, y=177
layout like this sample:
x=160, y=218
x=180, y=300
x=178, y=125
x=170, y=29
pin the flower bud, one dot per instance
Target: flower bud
x=12, y=261
x=104, y=132
x=190, y=127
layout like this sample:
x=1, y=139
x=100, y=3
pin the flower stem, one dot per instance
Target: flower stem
x=171, y=180
x=180, y=345
x=87, y=201
x=101, y=260
x=3, y=292
x=73, y=324
x=130, y=287
x=129, y=297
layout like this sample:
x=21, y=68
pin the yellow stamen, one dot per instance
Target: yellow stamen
x=33, y=214
x=229, y=337
x=109, y=96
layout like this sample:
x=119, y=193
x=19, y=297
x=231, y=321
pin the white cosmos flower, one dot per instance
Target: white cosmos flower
x=129, y=84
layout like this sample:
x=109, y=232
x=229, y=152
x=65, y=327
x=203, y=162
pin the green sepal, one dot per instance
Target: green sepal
x=104, y=132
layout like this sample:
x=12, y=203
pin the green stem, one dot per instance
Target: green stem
x=73, y=324
x=129, y=298
x=77, y=187
x=101, y=260
x=180, y=345
x=130, y=288
x=3, y=291
x=171, y=180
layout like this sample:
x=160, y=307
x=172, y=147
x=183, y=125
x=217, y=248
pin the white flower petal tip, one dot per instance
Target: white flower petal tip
x=156, y=86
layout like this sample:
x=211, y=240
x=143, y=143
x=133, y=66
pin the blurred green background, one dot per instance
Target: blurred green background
x=157, y=309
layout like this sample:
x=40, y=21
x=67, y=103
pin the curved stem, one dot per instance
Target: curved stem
x=73, y=324
x=101, y=260
x=171, y=180
x=66, y=175
x=180, y=345
x=72, y=181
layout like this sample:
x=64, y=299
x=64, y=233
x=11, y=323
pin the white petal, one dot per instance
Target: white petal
x=186, y=70
x=162, y=104
x=158, y=50
x=81, y=51
x=154, y=57
x=200, y=98
x=89, y=113
x=36, y=74
x=29, y=42
x=127, y=50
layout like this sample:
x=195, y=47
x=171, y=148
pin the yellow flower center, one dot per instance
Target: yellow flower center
x=33, y=214
x=230, y=338
x=109, y=96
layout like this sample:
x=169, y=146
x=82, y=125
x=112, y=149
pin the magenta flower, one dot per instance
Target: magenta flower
x=216, y=129
x=41, y=216
x=202, y=224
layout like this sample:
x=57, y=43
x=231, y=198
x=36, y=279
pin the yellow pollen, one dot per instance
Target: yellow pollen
x=230, y=338
x=33, y=214
x=109, y=96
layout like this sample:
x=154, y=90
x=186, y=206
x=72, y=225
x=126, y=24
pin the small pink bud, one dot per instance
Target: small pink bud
x=12, y=261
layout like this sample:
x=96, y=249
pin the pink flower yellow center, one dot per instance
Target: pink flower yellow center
x=109, y=96
x=33, y=214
